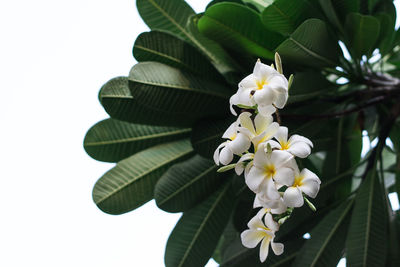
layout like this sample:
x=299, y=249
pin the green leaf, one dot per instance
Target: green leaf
x=330, y=12
x=228, y=236
x=325, y=248
x=167, y=15
x=131, y=182
x=195, y=236
x=170, y=50
x=362, y=32
x=186, y=184
x=366, y=240
x=207, y=135
x=112, y=140
x=344, y=7
x=177, y=92
x=310, y=45
x=284, y=16
x=117, y=100
x=240, y=28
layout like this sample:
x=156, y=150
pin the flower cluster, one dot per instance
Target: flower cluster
x=267, y=155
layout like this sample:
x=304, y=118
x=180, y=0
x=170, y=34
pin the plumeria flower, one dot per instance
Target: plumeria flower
x=297, y=145
x=269, y=168
x=305, y=182
x=265, y=87
x=264, y=233
x=237, y=143
x=244, y=164
x=273, y=206
x=263, y=128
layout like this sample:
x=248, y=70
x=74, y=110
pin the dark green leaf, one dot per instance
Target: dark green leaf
x=131, y=182
x=195, y=236
x=326, y=246
x=310, y=45
x=344, y=7
x=170, y=50
x=186, y=184
x=330, y=12
x=177, y=92
x=240, y=29
x=112, y=140
x=228, y=236
x=366, y=241
x=207, y=135
x=117, y=100
x=362, y=32
x=284, y=16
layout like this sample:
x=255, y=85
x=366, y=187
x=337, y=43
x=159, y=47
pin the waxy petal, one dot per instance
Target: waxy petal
x=231, y=131
x=226, y=155
x=263, y=72
x=298, y=138
x=309, y=175
x=284, y=176
x=266, y=110
x=250, y=238
x=262, y=122
x=265, y=96
x=280, y=158
x=270, y=223
x=310, y=188
x=216, y=153
x=249, y=82
x=293, y=197
x=254, y=178
x=282, y=134
x=268, y=188
x=264, y=249
x=255, y=223
x=281, y=97
x=300, y=149
x=277, y=248
x=246, y=121
x=240, y=144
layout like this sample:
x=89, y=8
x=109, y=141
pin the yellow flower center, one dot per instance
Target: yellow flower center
x=260, y=84
x=233, y=137
x=298, y=181
x=284, y=146
x=270, y=171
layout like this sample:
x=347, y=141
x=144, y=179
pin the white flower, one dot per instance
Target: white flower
x=267, y=169
x=262, y=232
x=305, y=182
x=262, y=130
x=265, y=87
x=242, y=165
x=274, y=206
x=297, y=145
x=237, y=144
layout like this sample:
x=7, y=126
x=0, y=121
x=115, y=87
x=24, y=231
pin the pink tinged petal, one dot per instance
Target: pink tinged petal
x=264, y=248
x=270, y=223
x=245, y=121
x=265, y=96
x=226, y=155
x=284, y=176
x=262, y=122
x=309, y=175
x=300, y=149
x=254, y=178
x=248, y=82
x=216, y=153
x=255, y=223
x=277, y=248
x=298, y=138
x=250, y=238
x=266, y=110
x=280, y=158
x=282, y=134
x=240, y=144
x=293, y=197
x=231, y=131
x=310, y=188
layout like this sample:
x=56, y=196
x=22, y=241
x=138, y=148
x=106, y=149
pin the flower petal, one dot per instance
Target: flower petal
x=263, y=72
x=245, y=121
x=309, y=175
x=226, y=155
x=216, y=153
x=254, y=178
x=265, y=96
x=280, y=158
x=264, y=248
x=277, y=248
x=239, y=168
x=293, y=197
x=300, y=149
x=310, y=188
x=298, y=138
x=255, y=223
x=262, y=122
x=284, y=176
x=250, y=238
x=282, y=134
x=268, y=188
x=248, y=82
x=240, y=144
x=234, y=100
x=266, y=110
x=281, y=97
x=231, y=131
x=270, y=223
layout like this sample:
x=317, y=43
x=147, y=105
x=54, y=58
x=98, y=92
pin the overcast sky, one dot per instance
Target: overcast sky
x=54, y=57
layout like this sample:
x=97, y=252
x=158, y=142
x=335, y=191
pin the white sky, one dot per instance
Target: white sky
x=54, y=57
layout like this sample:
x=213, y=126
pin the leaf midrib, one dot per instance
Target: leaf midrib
x=202, y=225
x=120, y=188
x=186, y=185
x=137, y=138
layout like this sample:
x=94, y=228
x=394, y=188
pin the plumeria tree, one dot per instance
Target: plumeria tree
x=263, y=158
